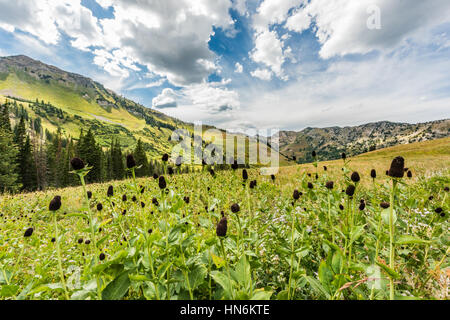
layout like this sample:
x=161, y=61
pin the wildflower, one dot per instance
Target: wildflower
x=341, y=207
x=296, y=195
x=314, y=154
x=155, y=202
x=362, y=206
x=252, y=184
x=438, y=210
x=325, y=168
x=446, y=189
x=142, y=204
x=244, y=175
x=134, y=199
x=373, y=173
x=212, y=173
x=165, y=157
x=102, y=256
x=110, y=192
x=234, y=166
x=186, y=200
x=77, y=164
x=150, y=231
x=124, y=198
x=397, y=168
x=55, y=204
x=99, y=207
x=131, y=163
x=162, y=183
x=89, y=194
x=344, y=156
x=329, y=185
x=409, y=174
x=155, y=176
x=53, y=240
x=170, y=171
x=28, y=232
x=310, y=185
x=272, y=176
x=442, y=214
x=124, y=212
x=88, y=242
x=350, y=191
x=430, y=198
x=235, y=208
x=355, y=177
x=80, y=241
x=221, y=229
x=385, y=205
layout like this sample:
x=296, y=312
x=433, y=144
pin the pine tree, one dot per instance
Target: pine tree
x=141, y=160
x=8, y=155
x=27, y=166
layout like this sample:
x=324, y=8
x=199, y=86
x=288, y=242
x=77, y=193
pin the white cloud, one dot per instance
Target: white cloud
x=269, y=51
x=272, y=12
x=238, y=68
x=167, y=99
x=262, y=74
x=342, y=25
x=241, y=6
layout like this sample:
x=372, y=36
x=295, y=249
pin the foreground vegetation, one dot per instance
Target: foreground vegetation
x=216, y=235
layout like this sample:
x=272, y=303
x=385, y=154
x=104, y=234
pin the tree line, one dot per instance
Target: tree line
x=31, y=160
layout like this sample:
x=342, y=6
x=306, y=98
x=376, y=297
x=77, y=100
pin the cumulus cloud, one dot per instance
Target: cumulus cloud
x=167, y=99
x=262, y=74
x=269, y=51
x=238, y=68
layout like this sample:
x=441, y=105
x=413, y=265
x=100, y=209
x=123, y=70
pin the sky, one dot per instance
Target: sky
x=262, y=64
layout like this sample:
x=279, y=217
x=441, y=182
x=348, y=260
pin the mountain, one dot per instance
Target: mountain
x=329, y=143
x=54, y=99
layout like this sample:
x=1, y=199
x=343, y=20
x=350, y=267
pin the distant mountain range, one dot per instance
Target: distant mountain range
x=329, y=143
x=71, y=102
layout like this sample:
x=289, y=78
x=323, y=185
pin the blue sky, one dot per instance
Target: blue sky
x=284, y=64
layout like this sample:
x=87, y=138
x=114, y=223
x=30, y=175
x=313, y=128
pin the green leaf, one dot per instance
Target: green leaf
x=9, y=290
x=325, y=275
x=25, y=291
x=391, y=273
x=406, y=239
x=385, y=216
x=317, y=287
x=282, y=295
x=218, y=261
x=260, y=294
x=117, y=288
x=224, y=282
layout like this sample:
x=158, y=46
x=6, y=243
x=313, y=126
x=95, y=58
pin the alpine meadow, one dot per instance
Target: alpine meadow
x=247, y=150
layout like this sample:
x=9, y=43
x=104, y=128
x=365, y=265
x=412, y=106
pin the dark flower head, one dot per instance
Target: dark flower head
x=124, y=212
x=55, y=204
x=222, y=227
x=330, y=185
x=252, y=184
x=355, y=177
x=142, y=204
x=430, y=198
x=442, y=214
x=272, y=176
x=162, y=183
x=134, y=199
x=409, y=174
x=155, y=176
x=314, y=154
x=385, y=205
x=99, y=206
x=88, y=242
x=102, y=256
x=124, y=198
x=131, y=163
x=341, y=207
x=387, y=172
x=350, y=191
x=165, y=157
x=150, y=231
x=296, y=195
x=309, y=174
x=89, y=194
x=170, y=171
x=373, y=173
x=80, y=241
x=310, y=185
x=110, y=192
x=234, y=166
x=53, y=240
x=28, y=232
x=235, y=208
x=438, y=210
x=186, y=200
x=362, y=206
x=212, y=173
x=155, y=202
x=446, y=189
x=77, y=164
x=343, y=155
x=142, y=189
x=397, y=168
x=244, y=174
x=325, y=168
x=406, y=169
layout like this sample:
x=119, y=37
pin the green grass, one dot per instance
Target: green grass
x=275, y=248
